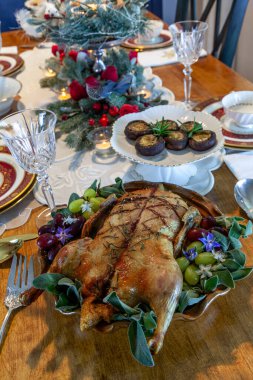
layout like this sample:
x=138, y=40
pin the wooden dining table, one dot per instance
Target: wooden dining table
x=43, y=344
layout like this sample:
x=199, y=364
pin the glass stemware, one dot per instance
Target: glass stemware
x=188, y=40
x=30, y=137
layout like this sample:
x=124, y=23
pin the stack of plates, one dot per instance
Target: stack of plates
x=10, y=63
x=15, y=183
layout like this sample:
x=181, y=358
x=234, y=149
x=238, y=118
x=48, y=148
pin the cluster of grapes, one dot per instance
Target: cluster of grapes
x=200, y=256
x=62, y=229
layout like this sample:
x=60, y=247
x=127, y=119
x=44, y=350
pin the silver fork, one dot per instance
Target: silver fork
x=24, y=280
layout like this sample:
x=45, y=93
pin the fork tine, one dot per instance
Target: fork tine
x=12, y=273
x=24, y=274
x=30, y=273
x=18, y=283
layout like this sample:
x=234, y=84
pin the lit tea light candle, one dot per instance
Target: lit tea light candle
x=103, y=145
x=50, y=73
x=64, y=95
x=144, y=93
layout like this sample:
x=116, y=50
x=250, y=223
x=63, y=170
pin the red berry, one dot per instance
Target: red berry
x=64, y=117
x=47, y=16
x=113, y=111
x=104, y=120
x=105, y=107
x=195, y=233
x=92, y=122
x=97, y=107
x=47, y=241
x=208, y=222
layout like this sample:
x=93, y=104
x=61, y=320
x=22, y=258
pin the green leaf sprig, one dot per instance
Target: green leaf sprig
x=161, y=128
x=142, y=324
x=196, y=128
x=67, y=291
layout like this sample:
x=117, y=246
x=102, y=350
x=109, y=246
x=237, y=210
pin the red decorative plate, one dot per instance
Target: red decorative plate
x=15, y=183
x=10, y=63
x=235, y=137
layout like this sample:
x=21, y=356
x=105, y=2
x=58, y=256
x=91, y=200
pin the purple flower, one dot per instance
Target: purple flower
x=191, y=254
x=209, y=242
x=63, y=234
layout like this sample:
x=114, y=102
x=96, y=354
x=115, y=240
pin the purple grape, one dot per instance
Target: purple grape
x=47, y=241
x=53, y=251
x=76, y=227
x=47, y=228
x=58, y=220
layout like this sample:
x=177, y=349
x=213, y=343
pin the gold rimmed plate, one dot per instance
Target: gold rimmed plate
x=10, y=63
x=162, y=41
x=15, y=183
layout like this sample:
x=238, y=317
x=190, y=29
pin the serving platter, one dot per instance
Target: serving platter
x=167, y=158
x=10, y=63
x=15, y=183
x=206, y=208
x=234, y=136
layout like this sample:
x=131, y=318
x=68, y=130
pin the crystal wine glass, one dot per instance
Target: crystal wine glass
x=30, y=137
x=188, y=39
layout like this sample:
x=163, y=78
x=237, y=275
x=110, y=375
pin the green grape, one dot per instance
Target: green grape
x=101, y=199
x=87, y=214
x=89, y=193
x=190, y=275
x=183, y=263
x=75, y=206
x=205, y=258
x=196, y=244
x=95, y=204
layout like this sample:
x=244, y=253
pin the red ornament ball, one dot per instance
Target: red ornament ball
x=77, y=91
x=105, y=107
x=91, y=122
x=113, y=111
x=97, y=107
x=103, y=121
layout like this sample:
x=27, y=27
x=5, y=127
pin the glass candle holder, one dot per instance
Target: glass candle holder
x=101, y=139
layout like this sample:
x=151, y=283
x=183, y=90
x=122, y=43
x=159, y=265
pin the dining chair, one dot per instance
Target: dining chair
x=225, y=37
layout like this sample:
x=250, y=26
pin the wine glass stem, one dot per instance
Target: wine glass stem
x=187, y=84
x=46, y=190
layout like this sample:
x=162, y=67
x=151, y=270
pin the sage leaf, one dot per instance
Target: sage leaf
x=138, y=344
x=234, y=242
x=225, y=278
x=241, y=273
x=94, y=185
x=221, y=239
x=149, y=321
x=66, y=281
x=48, y=281
x=188, y=298
x=235, y=230
x=114, y=300
x=73, y=197
x=231, y=265
x=211, y=284
x=238, y=256
x=248, y=230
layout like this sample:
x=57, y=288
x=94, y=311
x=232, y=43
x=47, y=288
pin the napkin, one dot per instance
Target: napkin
x=240, y=164
x=9, y=50
x=160, y=57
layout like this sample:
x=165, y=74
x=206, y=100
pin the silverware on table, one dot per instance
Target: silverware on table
x=243, y=193
x=9, y=248
x=24, y=280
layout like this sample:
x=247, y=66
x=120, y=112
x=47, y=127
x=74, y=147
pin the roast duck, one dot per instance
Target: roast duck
x=137, y=239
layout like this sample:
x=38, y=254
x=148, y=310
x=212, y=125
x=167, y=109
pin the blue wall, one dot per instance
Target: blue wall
x=7, y=10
